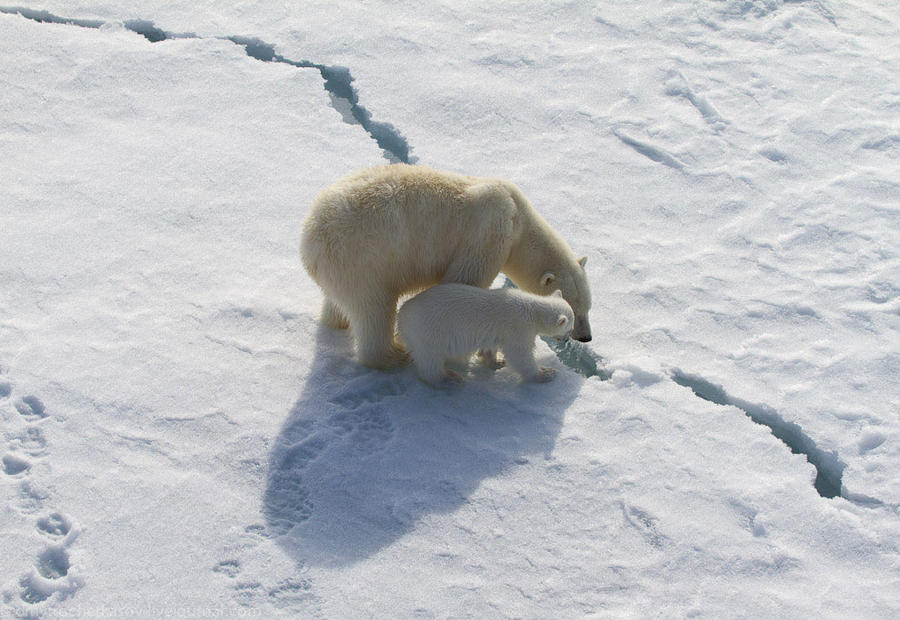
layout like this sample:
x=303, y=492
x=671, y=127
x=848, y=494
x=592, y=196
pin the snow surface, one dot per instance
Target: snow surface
x=182, y=439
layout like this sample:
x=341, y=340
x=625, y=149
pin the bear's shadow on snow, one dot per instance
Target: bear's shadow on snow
x=364, y=455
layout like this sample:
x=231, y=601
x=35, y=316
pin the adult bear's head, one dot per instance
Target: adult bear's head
x=572, y=281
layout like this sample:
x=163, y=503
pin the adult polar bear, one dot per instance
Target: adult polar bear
x=382, y=232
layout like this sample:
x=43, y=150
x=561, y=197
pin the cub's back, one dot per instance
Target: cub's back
x=485, y=315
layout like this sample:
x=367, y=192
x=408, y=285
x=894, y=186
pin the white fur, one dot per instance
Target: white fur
x=383, y=232
x=452, y=321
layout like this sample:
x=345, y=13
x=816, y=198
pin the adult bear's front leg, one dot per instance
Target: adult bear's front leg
x=372, y=322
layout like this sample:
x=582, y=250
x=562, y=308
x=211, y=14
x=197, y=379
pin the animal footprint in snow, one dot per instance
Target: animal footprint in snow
x=361, y=391
x=256, y=530
x=52, y=571
x=291, y=592
x=54, y=525
x=31, y=496
x=230, y=568
x=14, y=465
x=31, y=408
x=50, y=576
x=30, y=441
x=5, y=387
x=362, y=417
x=367, y=428
x=53, y=562
x=36, y=588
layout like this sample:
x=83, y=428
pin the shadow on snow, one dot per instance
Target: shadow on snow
x=364, y=456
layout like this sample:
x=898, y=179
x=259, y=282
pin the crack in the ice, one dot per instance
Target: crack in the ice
x=337, y=80
x=45, y=17
x=829, y=468
x=338, y=84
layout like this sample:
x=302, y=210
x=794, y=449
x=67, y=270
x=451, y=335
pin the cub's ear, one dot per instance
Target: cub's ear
x=547, y=279
x=582, y=261
x=562, y=320
x=556, y=293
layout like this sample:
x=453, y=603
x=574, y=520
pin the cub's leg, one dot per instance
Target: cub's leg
x=520, y=357
x=332, y=316
x=432, y=370
x=372, y=320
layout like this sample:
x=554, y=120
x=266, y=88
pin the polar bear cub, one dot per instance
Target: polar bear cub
x=452, y=321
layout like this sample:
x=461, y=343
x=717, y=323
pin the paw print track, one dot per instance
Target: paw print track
x=53, y=562
x=31, y=408
x=31, y=497
x=52, y=573
x=54, y=526
x=51, y=578
x=291, y=592
x=251, y=551
x=31, y=441
x=231, y=568
x=358, y=420
x=15, y=465
x=368, y=429
x=292, y=505
x=360, y=391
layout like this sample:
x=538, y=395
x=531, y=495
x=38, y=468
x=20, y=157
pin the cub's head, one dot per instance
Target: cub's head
x=559, y=317
x=571, y=282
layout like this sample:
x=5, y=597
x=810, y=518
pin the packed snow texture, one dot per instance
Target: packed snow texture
x=181, y=438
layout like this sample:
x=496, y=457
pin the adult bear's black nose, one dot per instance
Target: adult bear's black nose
x=583, y=339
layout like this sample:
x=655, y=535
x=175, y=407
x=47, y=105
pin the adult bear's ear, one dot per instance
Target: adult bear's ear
x=582, y=261
x=556, y=293
x=547, y=279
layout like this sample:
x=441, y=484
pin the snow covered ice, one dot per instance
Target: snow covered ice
x=180, y=438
